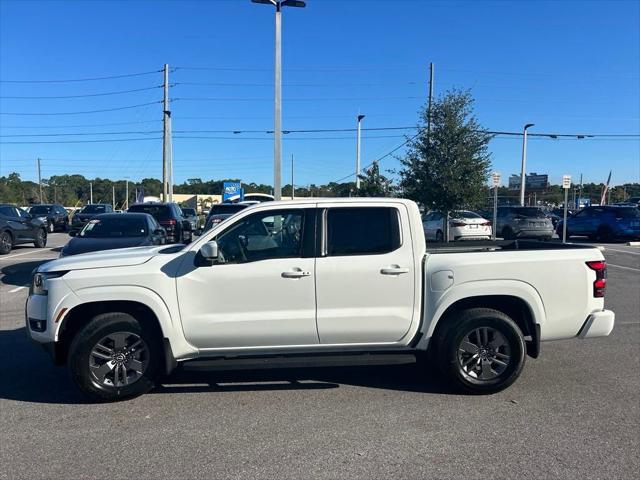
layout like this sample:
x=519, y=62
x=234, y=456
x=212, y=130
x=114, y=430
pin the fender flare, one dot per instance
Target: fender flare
x=480, y=288
x=169, y=324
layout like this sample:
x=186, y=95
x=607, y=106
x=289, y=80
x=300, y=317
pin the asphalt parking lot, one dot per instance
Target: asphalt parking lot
x=574, y=413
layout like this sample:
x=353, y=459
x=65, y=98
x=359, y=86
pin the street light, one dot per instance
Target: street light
x=359, y=120
x=277, y=130
x=524, y=162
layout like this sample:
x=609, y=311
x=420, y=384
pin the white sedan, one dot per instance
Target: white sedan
x=463, y=225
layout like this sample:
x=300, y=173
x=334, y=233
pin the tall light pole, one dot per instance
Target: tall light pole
x=524, y=162
x=359, y=119
x=277, y=113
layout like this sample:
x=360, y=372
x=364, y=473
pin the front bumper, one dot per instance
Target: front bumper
x=598, y=324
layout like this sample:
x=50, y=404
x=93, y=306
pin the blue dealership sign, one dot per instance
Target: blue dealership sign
x=230, y=190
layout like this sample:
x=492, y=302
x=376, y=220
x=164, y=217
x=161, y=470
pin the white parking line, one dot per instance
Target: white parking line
x=17, y=289
x=30, y=252
x=621, y=251
x=624, y=268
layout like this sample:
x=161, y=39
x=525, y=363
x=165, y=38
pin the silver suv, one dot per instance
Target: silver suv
x=523, y=222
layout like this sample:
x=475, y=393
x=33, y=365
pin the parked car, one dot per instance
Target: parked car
x=115, y=230
x=169, y=215
x=86, y=213
x=54, y=216
x=557, y=214
x=17, y=227
x=191, y=216
x=523, y=222
x=343, y=282
x=604, y=223
x=463, y=225
x=221, y=211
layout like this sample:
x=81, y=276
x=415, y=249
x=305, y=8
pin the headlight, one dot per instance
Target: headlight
x=39, y=282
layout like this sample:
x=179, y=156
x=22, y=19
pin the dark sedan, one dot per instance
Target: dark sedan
x=115, y=230
x=88, y=212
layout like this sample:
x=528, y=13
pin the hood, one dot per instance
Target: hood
x=123, y=257
x=84, y=245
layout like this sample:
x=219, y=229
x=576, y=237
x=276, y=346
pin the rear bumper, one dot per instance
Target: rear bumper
x=598, y=324
x=534, y=233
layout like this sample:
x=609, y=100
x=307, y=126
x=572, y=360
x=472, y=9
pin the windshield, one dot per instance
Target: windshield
x=94, y=209
x=39, y=210
x=529, y=212
x=114, y=227
x=159, y=212
x=226, y=208
x=189, y=212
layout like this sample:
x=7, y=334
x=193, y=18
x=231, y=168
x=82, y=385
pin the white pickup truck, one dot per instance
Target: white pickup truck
x=314, y=282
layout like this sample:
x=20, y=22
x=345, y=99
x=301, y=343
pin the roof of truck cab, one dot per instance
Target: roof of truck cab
x=355, y=200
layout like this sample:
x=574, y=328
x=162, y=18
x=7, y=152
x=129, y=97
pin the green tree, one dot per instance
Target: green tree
x=372, y=184
x=448, y=168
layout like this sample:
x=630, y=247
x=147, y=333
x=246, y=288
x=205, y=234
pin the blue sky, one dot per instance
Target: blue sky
x=568, y=67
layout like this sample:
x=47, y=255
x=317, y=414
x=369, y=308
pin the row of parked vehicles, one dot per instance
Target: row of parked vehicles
x=602, y=223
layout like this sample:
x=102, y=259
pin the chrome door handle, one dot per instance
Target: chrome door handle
x=295, y=274
x=395, y=270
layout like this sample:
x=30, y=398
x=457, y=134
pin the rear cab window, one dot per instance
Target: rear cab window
x=362, y=231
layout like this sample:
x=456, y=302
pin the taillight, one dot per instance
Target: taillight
x=486, y=224
x=456, y=223
x=600, y=283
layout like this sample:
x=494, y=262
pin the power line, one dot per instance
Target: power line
x=305, y=99
x=120, y=92
x=81, y=133
x=82, y=126
x=83, y=112
x=294, y=84
x=88, y=79
x=86, y=141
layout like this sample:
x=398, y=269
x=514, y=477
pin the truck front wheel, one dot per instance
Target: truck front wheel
x=482, y=352
x=114, y=357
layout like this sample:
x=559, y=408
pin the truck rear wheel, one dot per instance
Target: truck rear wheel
x=114, y=357
x=482, y=352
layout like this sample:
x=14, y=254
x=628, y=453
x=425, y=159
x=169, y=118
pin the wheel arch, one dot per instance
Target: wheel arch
x=519, y=301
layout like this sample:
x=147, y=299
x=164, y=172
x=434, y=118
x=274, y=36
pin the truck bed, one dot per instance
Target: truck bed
x=500, y=245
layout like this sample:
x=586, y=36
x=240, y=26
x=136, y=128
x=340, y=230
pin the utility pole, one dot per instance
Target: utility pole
x=90, y=192
x=293, y=188
x=165, y=132
x=126, y=195
x=580, y=194
x=40, y=180
x=277, y=113
x=170, y=162
x=359, y=120
x=431, y=68
x=113, y=196
x=524, y=163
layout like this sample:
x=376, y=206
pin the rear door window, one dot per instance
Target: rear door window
x=362, y=231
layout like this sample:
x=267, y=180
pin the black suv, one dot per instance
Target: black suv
x=17, y=226
x=222, y=211
x=87, y=212
x=54, y=216
x=169, y=215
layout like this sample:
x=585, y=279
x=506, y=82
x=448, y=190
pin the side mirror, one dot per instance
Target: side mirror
x=209, y=250
x=73, y=233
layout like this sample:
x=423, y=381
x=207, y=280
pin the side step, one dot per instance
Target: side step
x=297, y=361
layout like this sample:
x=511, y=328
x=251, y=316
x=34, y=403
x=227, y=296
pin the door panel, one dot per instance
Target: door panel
x=262, y=290
x=366, y=297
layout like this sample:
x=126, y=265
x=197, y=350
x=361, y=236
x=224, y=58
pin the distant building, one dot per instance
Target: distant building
x=533, y=181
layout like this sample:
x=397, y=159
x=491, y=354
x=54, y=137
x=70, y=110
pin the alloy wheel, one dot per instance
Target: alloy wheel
x=484, y=354
x=119, y=359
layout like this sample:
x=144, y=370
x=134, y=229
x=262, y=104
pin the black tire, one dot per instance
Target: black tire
x=451, y=356
x=41, y=238
x=87, y=340
x=604, y=234
x=6, y=242
x=507, y=233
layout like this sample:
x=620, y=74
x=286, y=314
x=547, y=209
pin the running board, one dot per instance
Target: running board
x=254, y=363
